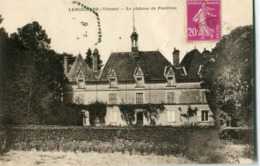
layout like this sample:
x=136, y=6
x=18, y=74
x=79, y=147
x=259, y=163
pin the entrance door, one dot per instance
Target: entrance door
x=140, y=118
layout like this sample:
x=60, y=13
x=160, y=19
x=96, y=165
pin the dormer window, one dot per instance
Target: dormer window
x=139, y=77
x=139, y=82
x=113, y=83
x=81, y=80
x=171, y=81
x=81, y=83
x=170, y=76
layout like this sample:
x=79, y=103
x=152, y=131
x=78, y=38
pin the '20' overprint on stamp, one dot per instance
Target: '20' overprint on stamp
x=203, y=20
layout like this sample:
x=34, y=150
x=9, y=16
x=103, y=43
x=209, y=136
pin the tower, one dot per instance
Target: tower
x=134, y=38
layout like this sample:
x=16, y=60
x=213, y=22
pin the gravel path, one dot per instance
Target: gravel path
x=28, y=158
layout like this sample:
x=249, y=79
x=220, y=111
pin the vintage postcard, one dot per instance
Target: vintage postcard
x=127, y=82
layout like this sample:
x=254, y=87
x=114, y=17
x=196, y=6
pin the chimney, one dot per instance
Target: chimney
x=205, y=55
x=95, y=59
x=176, y=57
x=65, y=65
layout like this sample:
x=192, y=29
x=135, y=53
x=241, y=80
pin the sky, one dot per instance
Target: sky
x=161, y=30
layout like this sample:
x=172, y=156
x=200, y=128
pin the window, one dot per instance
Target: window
x=81, y=84
x=113, y=116
x=204, y=116
x=171, y=116
x=112, y=98
x=139, y=81
x=170, y=81
x=139, y=98
x=170, y=97
x=113, y=82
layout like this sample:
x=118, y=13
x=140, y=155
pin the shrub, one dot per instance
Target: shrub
x=198, y=144
x=63, y=115
x=97, y=111
x=151, y=112
x=127, y=113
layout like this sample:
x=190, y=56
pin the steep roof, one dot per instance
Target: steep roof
x=78, y=66
x=152, y=64
x=192, y=61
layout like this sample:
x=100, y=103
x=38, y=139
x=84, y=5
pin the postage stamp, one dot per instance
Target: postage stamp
x=203, y=20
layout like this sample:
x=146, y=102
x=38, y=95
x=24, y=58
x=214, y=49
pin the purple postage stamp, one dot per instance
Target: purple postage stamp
x=203, y=20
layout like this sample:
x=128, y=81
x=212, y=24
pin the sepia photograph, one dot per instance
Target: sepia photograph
x=127, y=82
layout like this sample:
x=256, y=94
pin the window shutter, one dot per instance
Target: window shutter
x=112, y=98
x=115, y=116
x=173, y=116
x=169, y=118
x=139, y=98
x=170, y=97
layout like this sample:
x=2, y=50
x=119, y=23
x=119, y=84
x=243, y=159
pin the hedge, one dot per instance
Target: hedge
x=244, y=135
x=193, y=143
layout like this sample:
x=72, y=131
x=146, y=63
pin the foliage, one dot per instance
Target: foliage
x=99, y=61
x=152, y=111
x=97, y=111
x=31, y=75
x=63, y=115
x=127, y=113
x=89, y=59
x=133, y=140
x=31, y=37
x=190, y=112
x=229, y=77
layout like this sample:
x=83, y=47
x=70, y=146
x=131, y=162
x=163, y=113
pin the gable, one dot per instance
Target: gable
x=80, y=68
x=170, y=71
x=138, y=71
x=112, y=73
x=80, y=73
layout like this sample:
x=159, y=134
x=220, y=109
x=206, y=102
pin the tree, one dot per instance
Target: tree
x=99, y=61
x=32, y=75
x=230, y=77
x=127, y=113
x=31, y=37
x=1, y=19
x=89, y=59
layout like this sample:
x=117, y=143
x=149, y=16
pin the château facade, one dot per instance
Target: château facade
x=142, y=77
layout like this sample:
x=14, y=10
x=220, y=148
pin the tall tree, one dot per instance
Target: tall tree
x=99, y=61
x=230, y=76
x=31, y=37
x=89, y=59
x=33, y=74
